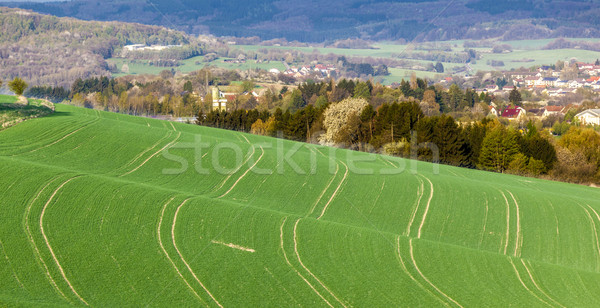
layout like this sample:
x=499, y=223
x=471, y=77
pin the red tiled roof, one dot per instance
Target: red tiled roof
x=554, y=108
x=511, y=112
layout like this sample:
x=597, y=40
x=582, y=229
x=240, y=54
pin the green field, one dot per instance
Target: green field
x=97, y=210
x=189, y=65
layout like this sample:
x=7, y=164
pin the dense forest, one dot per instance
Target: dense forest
x=318, y=20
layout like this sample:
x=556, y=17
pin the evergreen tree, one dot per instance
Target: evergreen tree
x=515, y=97
x=439, y=67
x=362, y=91
x=498, y=149
x=188, y=87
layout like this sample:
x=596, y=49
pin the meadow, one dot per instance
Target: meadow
x=104, y=209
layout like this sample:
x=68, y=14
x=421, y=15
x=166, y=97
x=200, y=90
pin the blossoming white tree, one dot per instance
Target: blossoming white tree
x=336, y=116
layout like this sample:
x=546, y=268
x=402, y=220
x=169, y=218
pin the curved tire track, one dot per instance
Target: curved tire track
x=162, y=247
x=287, y=260
x=60, y=268
x=183, y=259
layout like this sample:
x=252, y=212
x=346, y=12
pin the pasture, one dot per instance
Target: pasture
x=104, y=209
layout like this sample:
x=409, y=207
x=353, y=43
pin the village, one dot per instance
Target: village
x=554, y=89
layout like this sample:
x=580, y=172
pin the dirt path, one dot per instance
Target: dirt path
x=405, y=269
x=35, y=247
x=181, y=256
x=337, y=168
x=243, y=175
x=537, y=286
x=162, y=247
x=524, y=285
x=412, y=257
x=172, y=126
x=335, y=192
x=293, y=268
x=307, y=270
x=519, y=240
x=426, y=208
x=60, y=268
x=152, y=156
x=420, y=193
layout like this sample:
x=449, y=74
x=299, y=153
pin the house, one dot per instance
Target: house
x=531, y=80
x=589, y=117
x=513, y=112
x=493, y=111
x=552, y=110
x=549, y=81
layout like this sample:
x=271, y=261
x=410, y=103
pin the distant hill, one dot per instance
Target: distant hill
x=320, y=20
x=46, y=49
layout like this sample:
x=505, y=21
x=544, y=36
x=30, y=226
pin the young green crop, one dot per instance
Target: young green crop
x=94, y=212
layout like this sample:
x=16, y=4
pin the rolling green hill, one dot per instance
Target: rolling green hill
x=94, y=212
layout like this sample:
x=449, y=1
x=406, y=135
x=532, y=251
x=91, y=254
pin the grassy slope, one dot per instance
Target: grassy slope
x=71, y=183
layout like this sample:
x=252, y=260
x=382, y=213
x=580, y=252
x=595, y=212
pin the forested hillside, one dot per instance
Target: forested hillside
x=56, y=51
x=319, y=20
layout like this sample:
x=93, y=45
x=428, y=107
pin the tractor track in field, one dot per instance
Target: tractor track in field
x=523, y=283
x=426, y=208
x=307, y=270
x=485, y=219
x=529, y=272
x=412, y=257
x=335, y=192
x=245, y=173
x=167, y=135
x=62, y=138
x=173, y=126
x=36, y=250
x=151, y=156
x=507, y=221
x=11, y=266
x=420, y=193
x=405, y=269
x=594, y=230
x=162, y=247
x=60, y=268
x=181, y=255
x=237, y=168
x=337, y=167
x=519, y=237
x=287, y=260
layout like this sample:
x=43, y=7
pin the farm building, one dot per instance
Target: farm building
x=590, y=116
